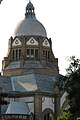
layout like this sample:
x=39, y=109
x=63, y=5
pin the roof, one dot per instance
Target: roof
x=18, y=108
x=31, y=81
x=5, y=84
x=30, y=25
x=31, y=64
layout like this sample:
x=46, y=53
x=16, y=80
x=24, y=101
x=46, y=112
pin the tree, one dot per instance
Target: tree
x=72, y=86
x=1, y=1
x=66, y=116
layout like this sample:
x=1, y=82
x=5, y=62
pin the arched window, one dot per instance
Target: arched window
x=16, y=54
x=36, y=54
x=32, y=54
x=48, y=114
x=46, y=54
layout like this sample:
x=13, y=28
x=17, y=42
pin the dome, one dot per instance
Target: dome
x=30, y=6
x=30, y=25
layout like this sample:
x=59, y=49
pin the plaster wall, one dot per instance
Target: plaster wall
x=47, y=103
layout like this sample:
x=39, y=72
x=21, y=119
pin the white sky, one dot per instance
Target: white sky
x=61, y=18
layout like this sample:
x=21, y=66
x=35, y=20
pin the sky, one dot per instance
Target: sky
x=61, y=18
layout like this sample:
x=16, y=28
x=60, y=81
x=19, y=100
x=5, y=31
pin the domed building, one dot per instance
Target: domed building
x=30, y=25
x=30, y=71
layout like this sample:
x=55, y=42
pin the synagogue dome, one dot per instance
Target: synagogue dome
x=30, y=25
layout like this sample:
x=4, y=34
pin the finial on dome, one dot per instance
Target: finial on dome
x=29, y=9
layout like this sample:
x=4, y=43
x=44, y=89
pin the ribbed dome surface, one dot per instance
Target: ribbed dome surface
x=30, y=26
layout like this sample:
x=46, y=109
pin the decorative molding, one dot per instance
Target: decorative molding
x=32, y=41
x=46, y=43
x=16, y=42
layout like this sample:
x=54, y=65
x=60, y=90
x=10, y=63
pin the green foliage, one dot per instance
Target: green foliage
x=71, y=84
x=74, y=65
x=66, y=116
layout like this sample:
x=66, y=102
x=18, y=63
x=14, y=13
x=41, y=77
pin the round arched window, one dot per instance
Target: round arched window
x=48, y=114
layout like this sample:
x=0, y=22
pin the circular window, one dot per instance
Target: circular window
x=16, y=42
x=32, y=41
x=46, y=42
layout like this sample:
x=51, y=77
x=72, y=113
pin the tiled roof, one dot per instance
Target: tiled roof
x=17, y=108
x=31, y=81
x=31, y=64
x=5, y=84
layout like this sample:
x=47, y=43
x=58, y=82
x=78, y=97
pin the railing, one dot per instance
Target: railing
x=16, y=117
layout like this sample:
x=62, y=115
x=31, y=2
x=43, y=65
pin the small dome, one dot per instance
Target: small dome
x=30, y=25
x=29, y=6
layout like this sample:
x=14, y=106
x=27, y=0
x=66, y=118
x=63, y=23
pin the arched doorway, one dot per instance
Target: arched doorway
x=48, y=114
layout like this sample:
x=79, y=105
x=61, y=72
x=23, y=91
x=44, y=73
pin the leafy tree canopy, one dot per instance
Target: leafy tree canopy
x=71, y=84
x=66, y=116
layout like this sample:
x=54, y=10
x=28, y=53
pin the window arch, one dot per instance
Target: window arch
x=32, y=54
x=16, y=54
x=48, y=114
x=47, y=54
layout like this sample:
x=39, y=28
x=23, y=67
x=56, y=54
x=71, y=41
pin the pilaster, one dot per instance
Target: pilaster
x=38, y=106
x=57, y=102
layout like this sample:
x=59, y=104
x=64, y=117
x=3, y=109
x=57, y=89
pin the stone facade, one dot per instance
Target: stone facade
x=30, y=70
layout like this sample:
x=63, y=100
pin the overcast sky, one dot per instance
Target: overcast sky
x=61, y=18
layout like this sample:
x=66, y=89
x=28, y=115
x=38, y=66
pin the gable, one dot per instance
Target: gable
x=46, y=43
x=32, y=41
x=16, y=42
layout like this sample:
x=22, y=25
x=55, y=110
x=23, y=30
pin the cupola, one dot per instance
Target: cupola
x=30, y=25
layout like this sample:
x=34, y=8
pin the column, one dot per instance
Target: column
x=0, y=99
x=38, y=106
x=57, y=105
